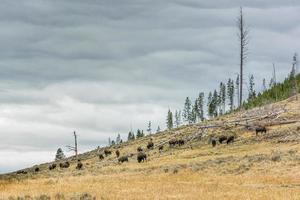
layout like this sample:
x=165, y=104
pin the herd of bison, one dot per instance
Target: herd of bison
x=141, y=155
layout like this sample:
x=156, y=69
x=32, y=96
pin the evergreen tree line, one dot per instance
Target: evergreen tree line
x=222, y=100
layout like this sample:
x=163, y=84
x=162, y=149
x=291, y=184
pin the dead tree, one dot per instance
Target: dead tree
x=75, y=147
x=243, y=42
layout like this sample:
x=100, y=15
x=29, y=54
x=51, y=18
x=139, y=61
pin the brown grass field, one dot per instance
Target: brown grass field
x=253, y=167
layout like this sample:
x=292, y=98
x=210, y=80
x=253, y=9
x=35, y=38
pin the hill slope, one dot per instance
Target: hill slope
x=266, y=166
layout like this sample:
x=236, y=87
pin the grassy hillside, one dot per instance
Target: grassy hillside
x=266, y=166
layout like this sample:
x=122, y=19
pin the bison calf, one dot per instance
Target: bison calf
x=141, y=157
x=123, y=159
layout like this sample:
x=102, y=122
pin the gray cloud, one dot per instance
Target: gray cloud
x=98, y=66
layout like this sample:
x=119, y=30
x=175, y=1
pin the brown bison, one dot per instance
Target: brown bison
x=172, y=142
x=230, y=139
x=64, y=165
x=123, y=159
x=107, y=152
x=52, y=166
x=160, y=148
x=180, y=142
x=37, y=169
x=101, y=157
x=139, y=149
x=150, y=145
x=117, y=153
x=213, y=142
x=141, y=157
x=260, y=130
x=21, y=172
x=222, y=139
x=79, y=165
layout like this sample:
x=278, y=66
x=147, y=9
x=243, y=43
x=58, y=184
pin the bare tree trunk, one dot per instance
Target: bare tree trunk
x=243, y=39
x=75, y=149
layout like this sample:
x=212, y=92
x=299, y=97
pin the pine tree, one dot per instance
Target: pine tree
x=118, y=139
x=230, y=93
x=215, y=103
x=187, y=110
x=222, y=98
x=252, y=93
x=139, y=134
x=170, y=120
x=264, y=87
x=194, y=113
x=149, y=128
x=209, y=105
x=177, y=119
x=59, y=154
x=109, y=141
x=158, y=129
x=113, y=142
x=200, y=102
x=130, y=136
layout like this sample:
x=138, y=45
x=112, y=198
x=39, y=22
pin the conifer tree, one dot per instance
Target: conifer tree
x=149, y=128
x=177, y=118
x=200, y=102
x=170, y=120
x=252, y=93
x=187, y=110
x=59, y=154
x=230, y=93
x=158, y=129
x=118, y=139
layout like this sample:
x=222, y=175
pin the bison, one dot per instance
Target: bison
x=79, y=165
x=230, y=139
x=107, y=152
x=180, y=142
x=52, y=166
x=260, y=129
x=222, y=139
x=172, y=142
x=160, y=148
x=141, y=157
x=150, y=145
x=123, y=159
x=21, y=172
x=213, y=142
x=37, y=169
x=139, y=149
x=117, y=153
x=101, y=157
x=64, y=165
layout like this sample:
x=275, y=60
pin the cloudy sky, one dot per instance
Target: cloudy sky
x=97, y=66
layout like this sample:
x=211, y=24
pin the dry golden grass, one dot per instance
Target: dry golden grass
x=251, y=168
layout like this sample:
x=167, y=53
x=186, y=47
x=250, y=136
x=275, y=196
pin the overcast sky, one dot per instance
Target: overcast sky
x=98, y=66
